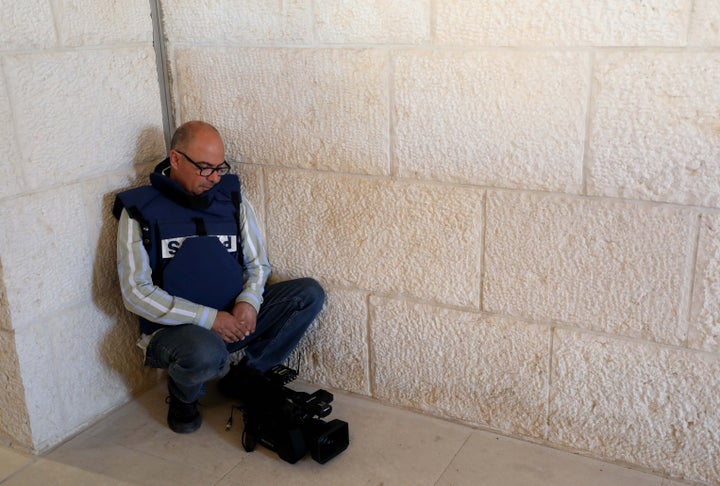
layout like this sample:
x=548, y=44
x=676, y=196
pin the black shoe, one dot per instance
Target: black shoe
x=183, y=418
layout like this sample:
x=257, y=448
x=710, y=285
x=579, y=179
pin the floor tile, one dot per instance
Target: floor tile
x=11, y=462
x=210, y=449
x=135, y=444
x=120, y=463
x=387, y=446
x=489, y=459
x=43, y=473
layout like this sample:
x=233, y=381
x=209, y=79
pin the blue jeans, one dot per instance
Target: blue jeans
x=194, y=355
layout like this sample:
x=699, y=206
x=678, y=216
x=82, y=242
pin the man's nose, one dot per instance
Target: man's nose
x=214, y=177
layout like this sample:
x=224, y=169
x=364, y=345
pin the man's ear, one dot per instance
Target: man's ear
x=174, y=159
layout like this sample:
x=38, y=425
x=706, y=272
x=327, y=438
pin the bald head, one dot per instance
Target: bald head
x=194, y=146
x=188, y=131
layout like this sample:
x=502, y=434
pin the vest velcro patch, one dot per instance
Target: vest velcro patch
x=170, y=246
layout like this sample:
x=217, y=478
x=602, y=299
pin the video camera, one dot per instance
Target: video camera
x=286, y=421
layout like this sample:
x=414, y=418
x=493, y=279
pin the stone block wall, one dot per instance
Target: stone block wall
x=513, y=205
x=80, y=116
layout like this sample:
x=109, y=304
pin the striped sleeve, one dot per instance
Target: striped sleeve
x=140, y=295
x=257, y=267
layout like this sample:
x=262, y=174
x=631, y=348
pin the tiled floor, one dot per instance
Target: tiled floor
x=387, y=447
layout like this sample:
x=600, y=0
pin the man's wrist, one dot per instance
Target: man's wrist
x=207, y=318
x=244, y=300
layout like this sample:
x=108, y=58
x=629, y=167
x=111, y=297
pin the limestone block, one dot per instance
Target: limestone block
x=26, y=25
x=334, y=351
x=655, y=132
x=243, y=21
x=98, y=196
x=14, y=419
x=89, y=22
x=318, y=109
x=46, y=260
x=83, y=113
x=562, y=22
x=252, y=186
x=99, y=363
x=77, y=365
x=105, y=285
x=375, y=234
x=10, y=177
x=604, y=265
x=705, y=23
x=38, y=370
x=507, y=119
x=368, y=21
x=5, y=322
x=704, y=332
x=480, y=369
x=635, y=402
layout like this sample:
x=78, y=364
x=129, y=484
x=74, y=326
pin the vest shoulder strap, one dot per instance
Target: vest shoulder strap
x=135, y=214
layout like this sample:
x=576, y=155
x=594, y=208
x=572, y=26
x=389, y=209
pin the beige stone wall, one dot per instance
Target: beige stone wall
x=513, y=205
x=15, y=419
x=80, y=115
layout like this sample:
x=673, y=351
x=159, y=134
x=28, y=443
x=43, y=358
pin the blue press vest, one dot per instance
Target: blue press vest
x=193, y=242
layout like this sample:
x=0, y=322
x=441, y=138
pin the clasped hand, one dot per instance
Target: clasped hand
x=236, y=325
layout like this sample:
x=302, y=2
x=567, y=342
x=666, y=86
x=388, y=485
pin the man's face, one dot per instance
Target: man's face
x=205, y=150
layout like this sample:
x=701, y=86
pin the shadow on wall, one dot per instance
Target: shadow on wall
x=4, y=307
x=118, y=349
x=14, y=419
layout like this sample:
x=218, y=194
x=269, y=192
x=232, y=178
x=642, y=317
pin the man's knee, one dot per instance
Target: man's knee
x=210, y=354
x=312, y=293
x=199, y=367
x=197, y=355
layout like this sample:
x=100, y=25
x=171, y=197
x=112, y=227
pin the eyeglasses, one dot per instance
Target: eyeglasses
x=221, y=169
